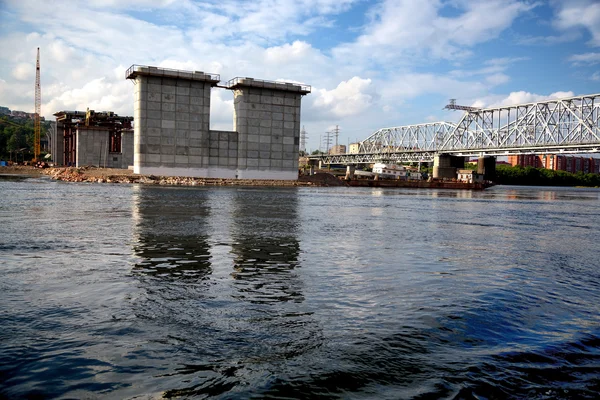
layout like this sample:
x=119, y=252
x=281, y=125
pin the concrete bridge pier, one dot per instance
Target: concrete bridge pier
x=445, y=165
x=486, y=166
x=320, y=164
x=350, y=172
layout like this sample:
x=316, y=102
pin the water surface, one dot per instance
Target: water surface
x=131, y=291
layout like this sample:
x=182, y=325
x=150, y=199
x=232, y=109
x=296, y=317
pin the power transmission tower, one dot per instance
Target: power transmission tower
x=303, y=138
x=327, y=142
x=336, y=132
x=38, y=110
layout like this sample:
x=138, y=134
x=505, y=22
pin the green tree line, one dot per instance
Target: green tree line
x=16, y=138
x=517, y=175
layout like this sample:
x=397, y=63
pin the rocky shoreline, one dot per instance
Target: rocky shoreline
x=106, y=175
x=83, y=175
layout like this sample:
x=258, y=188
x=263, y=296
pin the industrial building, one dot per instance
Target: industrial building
x=89, y=138
x=558, y=162
x=338, y=149
x=172, y=134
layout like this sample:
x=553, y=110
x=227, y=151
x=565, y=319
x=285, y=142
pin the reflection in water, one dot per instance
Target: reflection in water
x=171, y=237
x=222, y=289
x=266, y=247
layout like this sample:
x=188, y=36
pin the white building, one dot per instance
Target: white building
x=469, y=176
x=390, y=171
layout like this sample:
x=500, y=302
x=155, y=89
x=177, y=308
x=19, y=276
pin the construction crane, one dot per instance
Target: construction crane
x=453, y=106
x=38, y=110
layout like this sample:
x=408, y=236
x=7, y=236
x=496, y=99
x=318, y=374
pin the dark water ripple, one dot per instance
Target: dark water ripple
x=139, y=292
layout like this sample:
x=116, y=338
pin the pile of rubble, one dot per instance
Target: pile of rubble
x=92, y=175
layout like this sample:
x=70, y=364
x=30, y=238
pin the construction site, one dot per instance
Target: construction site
x=101, y=139
x=169, y=133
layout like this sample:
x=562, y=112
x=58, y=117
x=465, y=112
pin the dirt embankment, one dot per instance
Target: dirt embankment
x=108, y=175
x=21, y=170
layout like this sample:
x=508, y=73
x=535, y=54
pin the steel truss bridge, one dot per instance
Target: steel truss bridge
x=568, y=125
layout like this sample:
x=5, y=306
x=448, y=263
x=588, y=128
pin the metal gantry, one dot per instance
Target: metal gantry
x=568, y=125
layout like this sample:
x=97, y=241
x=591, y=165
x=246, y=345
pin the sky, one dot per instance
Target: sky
x=371, y=64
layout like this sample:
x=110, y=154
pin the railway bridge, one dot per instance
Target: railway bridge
x=566, y=125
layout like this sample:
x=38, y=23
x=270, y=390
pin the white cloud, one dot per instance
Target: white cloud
x=221, y=110
x=596, y=76
x=99, y=94
x=520, y=97
x=24, y=71
x=574, y=14
x=497, y=79
x=400, y=49
x=288, y=53
x=550, y=40
x=350, y=97
x=401, y=28
x=585, y=59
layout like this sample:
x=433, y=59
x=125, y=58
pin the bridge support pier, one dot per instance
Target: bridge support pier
x=487, y=167
x=350, y=172
x=320, y=164
x=445, y=165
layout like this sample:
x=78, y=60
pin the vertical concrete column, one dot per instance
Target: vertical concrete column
x=58, y=144
x=92, y=146
x=267, y=119
x=442, y=167
x=126, y=148
x=487, y=167
x=350, y=172
x=172, y=121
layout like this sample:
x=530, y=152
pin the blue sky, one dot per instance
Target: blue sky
x=371, y=64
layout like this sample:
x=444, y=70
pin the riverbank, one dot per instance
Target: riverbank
x=110, y=175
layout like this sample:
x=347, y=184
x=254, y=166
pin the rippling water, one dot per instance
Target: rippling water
x=147, y=292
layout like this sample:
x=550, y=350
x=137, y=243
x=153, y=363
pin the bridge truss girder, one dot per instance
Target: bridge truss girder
x=569, y=125
x=560, y=123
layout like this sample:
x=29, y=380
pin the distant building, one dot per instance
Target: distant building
x=557, y=162
x=338, y=149
x=354, y=147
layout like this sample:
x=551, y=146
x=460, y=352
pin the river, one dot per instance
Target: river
x=132, y=291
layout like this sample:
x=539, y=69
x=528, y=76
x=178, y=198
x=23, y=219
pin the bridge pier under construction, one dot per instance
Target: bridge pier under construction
x=172, y=135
